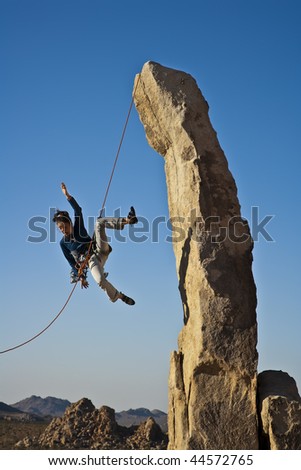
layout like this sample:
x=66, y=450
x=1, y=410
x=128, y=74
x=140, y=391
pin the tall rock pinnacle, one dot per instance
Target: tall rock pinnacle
x=212, y=382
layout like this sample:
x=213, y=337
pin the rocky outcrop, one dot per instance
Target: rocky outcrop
x=212, y=384
x=280, y=411
x=84, y=427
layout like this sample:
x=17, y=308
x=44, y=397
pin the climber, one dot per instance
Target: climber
x=76, y=242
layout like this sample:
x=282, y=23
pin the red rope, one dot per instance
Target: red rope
x=84, y=263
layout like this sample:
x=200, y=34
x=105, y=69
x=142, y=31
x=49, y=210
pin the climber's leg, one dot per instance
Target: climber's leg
x=96, y=266
x=116, y=223
x=102, y=245
x=102, y=251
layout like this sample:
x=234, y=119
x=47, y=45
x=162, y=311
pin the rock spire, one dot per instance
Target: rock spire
x=212, y=383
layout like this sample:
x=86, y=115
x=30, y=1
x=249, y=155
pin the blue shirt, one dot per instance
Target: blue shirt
x=77, y=243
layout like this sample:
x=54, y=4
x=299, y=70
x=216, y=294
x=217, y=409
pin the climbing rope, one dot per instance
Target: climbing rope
x=86, y=260
x=44, y=329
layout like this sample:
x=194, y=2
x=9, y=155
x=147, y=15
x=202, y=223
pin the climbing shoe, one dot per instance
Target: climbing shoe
x=127, y=300
x=132, y=216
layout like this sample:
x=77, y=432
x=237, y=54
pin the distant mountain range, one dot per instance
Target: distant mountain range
x=6, y=409
x=10, y=413
x=36, y=408
x=49, y=406
x=137, y=416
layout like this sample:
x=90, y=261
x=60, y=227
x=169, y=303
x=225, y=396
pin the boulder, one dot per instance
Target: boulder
x=280, y=411
x=212, y=383
x=148, y=435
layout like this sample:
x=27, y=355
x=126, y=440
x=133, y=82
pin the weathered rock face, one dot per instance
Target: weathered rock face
x=280, y=411
x=84, y=427
x=212, y=384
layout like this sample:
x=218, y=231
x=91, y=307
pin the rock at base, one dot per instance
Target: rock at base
x=84, y=427
x=280, y=411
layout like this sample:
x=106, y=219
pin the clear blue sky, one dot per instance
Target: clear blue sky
x=67, y=71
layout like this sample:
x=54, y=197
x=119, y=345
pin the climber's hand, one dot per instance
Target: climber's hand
x=84, y=283
x=65, y=191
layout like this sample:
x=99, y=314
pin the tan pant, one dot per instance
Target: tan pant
x=101, y=254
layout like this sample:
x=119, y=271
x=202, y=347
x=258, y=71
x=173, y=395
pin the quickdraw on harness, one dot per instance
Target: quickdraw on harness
x=82, y=263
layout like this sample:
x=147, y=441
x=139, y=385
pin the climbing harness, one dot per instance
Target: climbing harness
x=84, y=263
